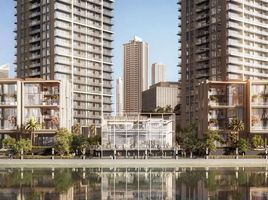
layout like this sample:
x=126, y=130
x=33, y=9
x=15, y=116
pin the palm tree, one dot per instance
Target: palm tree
x=76, y=129
x=32, y=125
x=235, y=127
x=92, y=130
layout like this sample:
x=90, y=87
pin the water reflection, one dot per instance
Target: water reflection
x=134, y=183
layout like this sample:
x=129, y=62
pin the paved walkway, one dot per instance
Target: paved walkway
x=70, y=163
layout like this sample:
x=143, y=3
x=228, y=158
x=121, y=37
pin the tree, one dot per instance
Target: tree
x=94, y=140
x=242, y=145
x=210, y=138
x=79, y=142
x=235, y=127
x=63, y=141
x=23, y=144
x=76, y=129
x=92, y=130
x=9, y=142
x=189, y=139
x=257, y=141
x=168, y=109
x=17, y=146
x=32, y=125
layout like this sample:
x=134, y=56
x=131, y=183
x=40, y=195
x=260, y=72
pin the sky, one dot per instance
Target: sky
x=155, y=21
x=7, y=35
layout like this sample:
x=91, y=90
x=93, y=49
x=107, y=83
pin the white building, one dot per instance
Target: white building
x=147, y=131
x=4, y=71
x=119, y=96
x=158, y=73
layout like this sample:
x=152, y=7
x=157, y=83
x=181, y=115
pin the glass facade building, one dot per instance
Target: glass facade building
x=139, y=132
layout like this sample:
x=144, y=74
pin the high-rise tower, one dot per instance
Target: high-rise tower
x=158, y=73
x=69, y=40
x=220, y=40
x=119, y=96
x=135, y=74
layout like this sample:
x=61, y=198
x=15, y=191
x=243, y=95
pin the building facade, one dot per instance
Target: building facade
x=140, y=132
x=158, y=73
x=220, y=40
x=161, y=94
x=43, y=100
x=119, y=96
x=222, y=101
x=135, y=74
x=69, y=40
x=4, y=71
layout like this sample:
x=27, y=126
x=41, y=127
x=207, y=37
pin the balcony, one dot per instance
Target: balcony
x=259, y=100
x=108, y=5
x=34, y=39
x=34, y=5
x=8, y=126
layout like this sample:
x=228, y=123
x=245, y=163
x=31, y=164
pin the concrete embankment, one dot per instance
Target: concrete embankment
x=165, y=163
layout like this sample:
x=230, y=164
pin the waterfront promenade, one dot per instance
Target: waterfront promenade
x=90, y=163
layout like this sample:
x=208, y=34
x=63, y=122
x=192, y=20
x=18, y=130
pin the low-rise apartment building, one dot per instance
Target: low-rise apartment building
x=44, y=100
x=222, y=101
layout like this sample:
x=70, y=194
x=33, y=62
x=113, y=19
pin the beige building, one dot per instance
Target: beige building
x=220, y=40
x=161, y=94
x=158, y=73
x=45, y=100
x=222, y=101
x=69, y=40
x=135, y=74
x=4, y=71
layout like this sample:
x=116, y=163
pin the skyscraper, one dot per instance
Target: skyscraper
x=119, y=96
x=135, y=74
x=220, y=41
x=69, y=40
x=158, y=73
x=4, y=71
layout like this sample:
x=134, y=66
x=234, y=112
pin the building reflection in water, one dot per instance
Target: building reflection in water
x=134, y=183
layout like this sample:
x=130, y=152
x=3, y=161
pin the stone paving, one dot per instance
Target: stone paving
x=72, y=163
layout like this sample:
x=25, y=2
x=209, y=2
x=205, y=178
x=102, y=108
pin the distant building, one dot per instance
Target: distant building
x=158, y=73
x=119, y=96
x=135, y=74
x=4, y=71
x=161, y=94
x=45, y=100
x=143, y=131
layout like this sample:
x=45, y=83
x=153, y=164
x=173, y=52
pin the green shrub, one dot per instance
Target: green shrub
x=257, y=141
